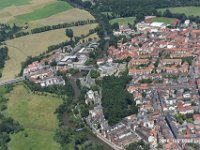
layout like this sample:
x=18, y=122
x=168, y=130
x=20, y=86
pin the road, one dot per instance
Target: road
x=114, y=146
x=12, y=81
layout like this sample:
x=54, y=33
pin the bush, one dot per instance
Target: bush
x=94, y=74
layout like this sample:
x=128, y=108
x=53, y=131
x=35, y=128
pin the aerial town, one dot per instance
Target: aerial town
x=100, y=74
x=164, y=66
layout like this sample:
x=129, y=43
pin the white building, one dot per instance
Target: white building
x=158, y=25
x=52, y=81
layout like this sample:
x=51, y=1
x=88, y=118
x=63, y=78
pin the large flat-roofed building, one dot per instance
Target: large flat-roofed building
x=70, y=59
x=158, y=25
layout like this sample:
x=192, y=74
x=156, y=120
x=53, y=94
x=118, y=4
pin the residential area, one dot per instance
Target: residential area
x=164, y=64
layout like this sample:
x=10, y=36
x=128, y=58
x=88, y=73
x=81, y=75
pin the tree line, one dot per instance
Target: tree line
x=60, y=26
x=77, y=39
x=3, y=57
x=10, y=32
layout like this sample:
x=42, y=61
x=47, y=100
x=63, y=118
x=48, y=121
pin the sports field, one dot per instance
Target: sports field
x=123, y=21
x=36, y=114
x=164, y=20
x=33, y=45
x=189, y=11
x=45, y=12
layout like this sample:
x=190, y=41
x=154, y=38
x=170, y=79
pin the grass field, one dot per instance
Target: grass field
x=45, y=12
x=7, y=3
x=164, y=20
x=123, y=21
x=33, y=45
x=92, y=36
x=36, y=114
x=189, y=11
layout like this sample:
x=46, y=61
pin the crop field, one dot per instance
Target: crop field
x=11, y=8
x=123, y=21
x=33, y=45
x=7, y=3
x=42, y=12
x=45, y=12
x=68, y=16
x=189, y=11
x=36, y=114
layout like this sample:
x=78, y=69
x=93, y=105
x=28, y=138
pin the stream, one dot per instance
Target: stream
x=92, y=138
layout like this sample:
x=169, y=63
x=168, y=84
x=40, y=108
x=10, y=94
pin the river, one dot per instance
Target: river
x=92, y=138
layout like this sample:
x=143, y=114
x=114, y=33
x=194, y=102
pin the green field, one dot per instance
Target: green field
x=7, y=3
x=189, y=11
x=164, y=20
x=123, y=21
x=46, y=11
x=36, y=114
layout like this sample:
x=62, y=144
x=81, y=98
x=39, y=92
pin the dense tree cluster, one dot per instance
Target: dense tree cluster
x=65, y=135
x=94, y=74
x=69, y=33
x=80, y=3
x=7, y=125
x=141, y=8
x=117, y=102
x=3, y=56
x=140, y=145
x=125, y=8
x=10, y=32
x=7, y=31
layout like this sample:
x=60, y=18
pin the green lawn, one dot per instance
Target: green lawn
x=46, y=11
x=7, y=3
x=2, y=90
x=36, y=140
x=36, y=114
x=123, y=21
x=164, y=20
x=191, y=10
